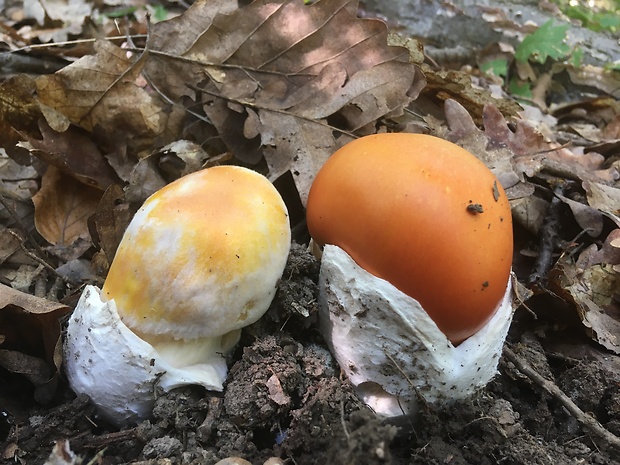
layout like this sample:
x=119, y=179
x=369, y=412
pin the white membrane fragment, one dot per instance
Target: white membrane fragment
x=391, y=350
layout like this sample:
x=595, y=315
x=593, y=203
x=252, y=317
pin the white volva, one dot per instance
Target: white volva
x=391, y=350
x=119, y=370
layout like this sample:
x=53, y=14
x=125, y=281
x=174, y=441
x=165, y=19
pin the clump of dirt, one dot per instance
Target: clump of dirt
x=285, y=397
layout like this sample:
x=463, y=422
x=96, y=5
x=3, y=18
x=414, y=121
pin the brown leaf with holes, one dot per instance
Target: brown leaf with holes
x=62, y=207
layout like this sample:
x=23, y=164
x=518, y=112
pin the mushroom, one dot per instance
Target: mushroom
x=199, y=261
x=415, y=275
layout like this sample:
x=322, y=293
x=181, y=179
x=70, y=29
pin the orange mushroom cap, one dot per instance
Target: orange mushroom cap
x=423, y=214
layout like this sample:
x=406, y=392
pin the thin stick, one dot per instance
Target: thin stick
x=586, y=420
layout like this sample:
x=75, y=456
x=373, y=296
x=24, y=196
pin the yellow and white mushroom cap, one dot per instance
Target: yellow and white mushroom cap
x=202, y=256
x=200, y=260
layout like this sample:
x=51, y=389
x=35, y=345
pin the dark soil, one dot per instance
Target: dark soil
x=286, y=398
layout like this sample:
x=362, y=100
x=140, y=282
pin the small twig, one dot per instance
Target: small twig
x=567, y=171
x=418, y=394
x=98, y=458
x=344, y=424
x=586, y=420
x=30, y=47
x=41, y=261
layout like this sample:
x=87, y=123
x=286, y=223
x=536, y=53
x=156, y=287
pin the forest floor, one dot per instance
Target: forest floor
x=556, y=396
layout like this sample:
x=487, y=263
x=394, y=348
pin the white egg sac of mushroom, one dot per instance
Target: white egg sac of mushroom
x=391, y=350
x=199, y=261
x=118, y=370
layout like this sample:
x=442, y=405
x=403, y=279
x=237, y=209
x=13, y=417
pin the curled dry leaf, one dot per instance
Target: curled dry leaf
x=609, y=253
x=62, y=207
x=606, y=80
x=446, y=85
x=499, y=158
x=588, y=218
x=592, y=284
x=30, y=338
x=605, y=198
x=529, y=150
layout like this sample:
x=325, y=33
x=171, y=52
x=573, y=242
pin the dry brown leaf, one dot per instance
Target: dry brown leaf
x=74, y=153
x=62, y=207
x=606, y=80
x=30, y=325
x=18, y=181
x=104, y=93
x=609, y=253
x=529, y=151
x=276, y=393
x=277, y=73
x=499, y=158
x=588, y=218
x=446, y=85
x=9, y=243
x=594, y=292
x=299, y=146
x=67, y=16
x=603, y=197
x=110, y=221
x=192, y=156
x=19, y=112
x=144, y=181
x=530, y=212
x=279, y=80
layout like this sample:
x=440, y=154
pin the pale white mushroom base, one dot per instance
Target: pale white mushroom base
x=391, y=350
x=121, y=372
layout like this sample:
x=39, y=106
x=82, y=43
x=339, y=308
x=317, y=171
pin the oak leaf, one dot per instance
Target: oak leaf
x=293, y=75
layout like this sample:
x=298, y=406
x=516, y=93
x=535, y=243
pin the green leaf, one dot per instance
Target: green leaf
x=121, y=12
x=519, y=88
x=547, y=42
x=576, y=59
x=609, y=21
x=615, y=66
x=160, y=13
x=497, y=67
